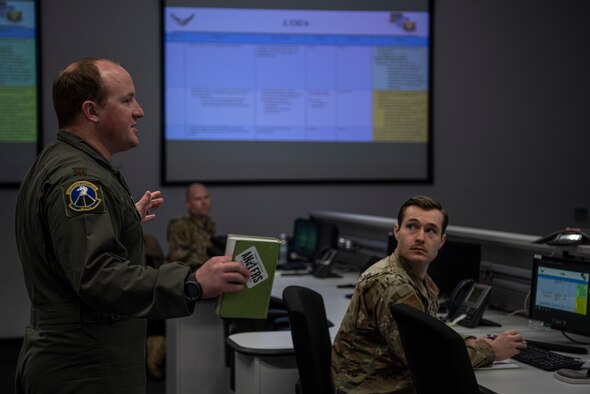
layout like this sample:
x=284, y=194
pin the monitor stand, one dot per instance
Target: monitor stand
x=558, y=347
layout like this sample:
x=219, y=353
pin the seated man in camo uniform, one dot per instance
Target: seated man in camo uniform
x=367, y=355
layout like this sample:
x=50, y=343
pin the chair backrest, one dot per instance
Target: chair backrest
x=436, y=354
x=311, y=339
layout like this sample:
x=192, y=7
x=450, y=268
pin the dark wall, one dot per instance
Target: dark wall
x=510, y=124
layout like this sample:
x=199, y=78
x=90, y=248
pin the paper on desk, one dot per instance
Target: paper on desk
x=506, y=364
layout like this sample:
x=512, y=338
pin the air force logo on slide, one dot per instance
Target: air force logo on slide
x=83, y=196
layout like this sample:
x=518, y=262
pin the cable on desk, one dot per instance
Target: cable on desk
x=511, y=314
x=525, y=309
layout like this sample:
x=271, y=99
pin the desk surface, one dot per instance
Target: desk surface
x=280, y=342
x=525, y=379
x=335, y=299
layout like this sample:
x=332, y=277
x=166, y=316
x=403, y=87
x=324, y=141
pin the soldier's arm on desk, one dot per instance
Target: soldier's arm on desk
x=484, y=351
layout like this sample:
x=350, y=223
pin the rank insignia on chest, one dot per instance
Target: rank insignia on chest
x=83, y=196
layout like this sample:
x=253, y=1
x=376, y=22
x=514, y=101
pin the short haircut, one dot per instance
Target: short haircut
x=426, y=203
x=76, y=83
x=190, y=188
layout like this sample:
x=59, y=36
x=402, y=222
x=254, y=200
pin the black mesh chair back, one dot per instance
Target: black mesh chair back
x=436, y=354
x=311, y=339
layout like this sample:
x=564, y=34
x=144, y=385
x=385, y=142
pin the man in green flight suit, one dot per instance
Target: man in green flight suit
x=79, y=239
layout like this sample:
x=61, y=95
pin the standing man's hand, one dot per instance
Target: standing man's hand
x=148, y=204
x=220, y=275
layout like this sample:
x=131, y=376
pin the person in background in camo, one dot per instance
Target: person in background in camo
x=190, y=236
x=367, y=354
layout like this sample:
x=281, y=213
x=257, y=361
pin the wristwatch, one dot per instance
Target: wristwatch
x=192, y=288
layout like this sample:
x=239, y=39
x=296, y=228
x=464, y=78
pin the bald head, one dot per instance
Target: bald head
x=76, y=83
x=197, y=200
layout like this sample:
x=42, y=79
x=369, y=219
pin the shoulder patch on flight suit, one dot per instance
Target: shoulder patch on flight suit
x=83, y=197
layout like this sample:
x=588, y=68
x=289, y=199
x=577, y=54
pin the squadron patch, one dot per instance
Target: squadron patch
x=83, y=196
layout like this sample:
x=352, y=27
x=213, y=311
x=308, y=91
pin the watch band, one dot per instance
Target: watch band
x=192, y=288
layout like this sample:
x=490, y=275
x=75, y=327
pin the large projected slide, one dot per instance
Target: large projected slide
x=18, y=89
x=296, y=94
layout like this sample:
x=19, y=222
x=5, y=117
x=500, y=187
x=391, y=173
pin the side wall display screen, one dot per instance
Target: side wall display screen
x=275, y=91
x=19, y=88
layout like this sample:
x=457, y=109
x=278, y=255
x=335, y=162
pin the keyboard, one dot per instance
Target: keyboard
x=546, y=359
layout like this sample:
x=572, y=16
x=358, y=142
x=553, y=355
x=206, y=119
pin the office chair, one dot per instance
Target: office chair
x=436, y=354
x=311, y=339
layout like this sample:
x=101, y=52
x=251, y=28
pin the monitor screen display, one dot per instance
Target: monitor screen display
x=560, y=293
x=304, y=243
x=474, y=296
x=19, y=88
x=297, y=90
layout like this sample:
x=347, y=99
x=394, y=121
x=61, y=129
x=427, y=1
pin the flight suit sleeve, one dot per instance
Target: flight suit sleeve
x=97, y=239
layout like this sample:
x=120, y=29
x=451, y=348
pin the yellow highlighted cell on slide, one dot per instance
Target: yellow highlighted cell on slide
x=400, y=116
x=18, y=114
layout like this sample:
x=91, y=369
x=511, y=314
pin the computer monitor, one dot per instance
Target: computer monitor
x=304, y=243
x=559, y=293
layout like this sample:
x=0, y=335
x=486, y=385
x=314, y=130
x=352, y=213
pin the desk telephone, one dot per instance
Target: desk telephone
x=323, y=263
x=470, y=298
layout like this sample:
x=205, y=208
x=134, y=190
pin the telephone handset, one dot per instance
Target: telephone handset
x=469, y=298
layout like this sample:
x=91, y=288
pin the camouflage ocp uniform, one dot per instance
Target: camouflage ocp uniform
x=189, y=240
x=367, y=356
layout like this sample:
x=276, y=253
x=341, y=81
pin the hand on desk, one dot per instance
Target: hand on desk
x=507, y=344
